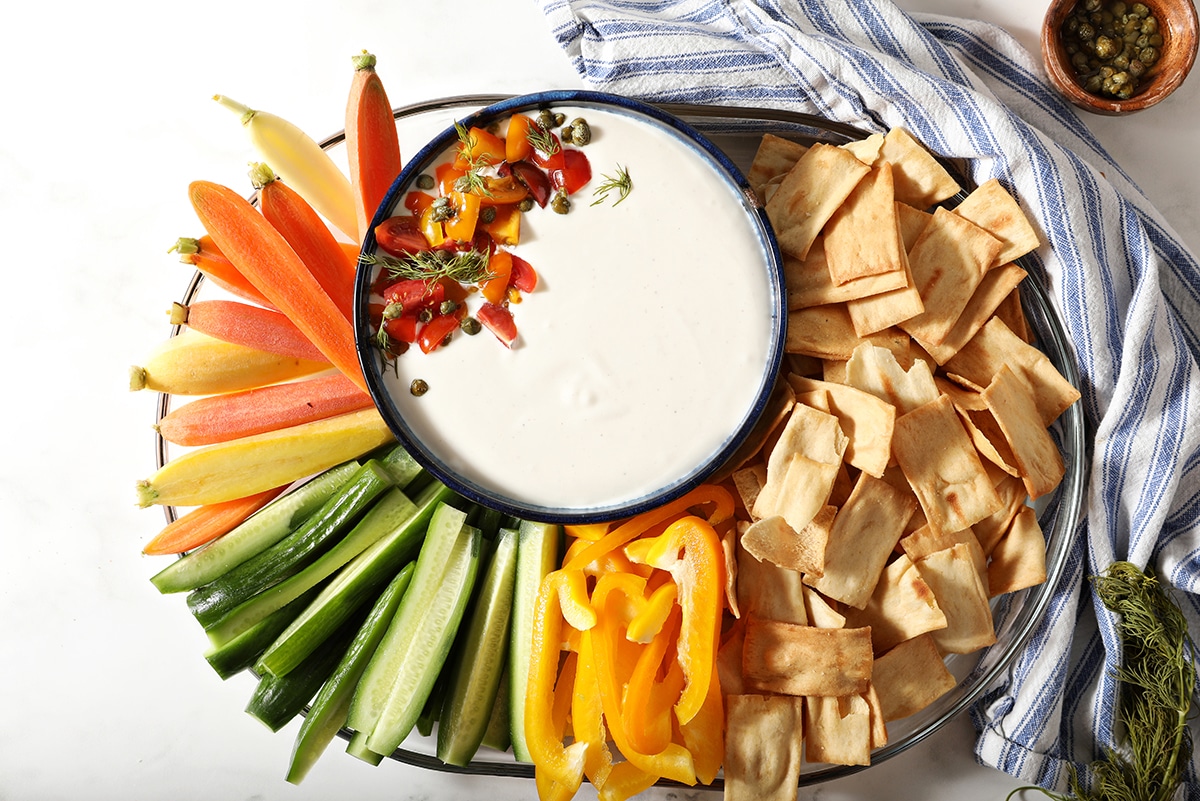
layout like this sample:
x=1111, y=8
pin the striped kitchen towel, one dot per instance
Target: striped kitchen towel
x=1126, y=288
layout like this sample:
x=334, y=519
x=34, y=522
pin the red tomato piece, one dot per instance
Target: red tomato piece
x=401, y=236
x=523, y=276
x=499, y=321
x=402, y=328
x=575, y=174
x=552, y=160
x=434, y=332
x=416, y=202
x=534, y=179
x=413, y=294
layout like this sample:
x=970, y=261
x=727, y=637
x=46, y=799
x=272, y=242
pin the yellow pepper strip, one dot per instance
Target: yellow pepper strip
x=673, y=762
x=587, y=718
x=704, y=735
x=573, y=601
x=564, y=691
x=648, y=702
x=611, y=562
x=626, y=781
x=621, y=535
x=699, y=575
x=648, y=622
x=561, y=764
x=548, y=789
x=587, y=531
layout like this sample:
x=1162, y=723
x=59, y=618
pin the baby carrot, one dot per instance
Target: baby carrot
x=204, y=524
x=252, y=326
x=233, y=415
x=204, y=255
x=371, y=141
x=269, y=262
x=292, y=216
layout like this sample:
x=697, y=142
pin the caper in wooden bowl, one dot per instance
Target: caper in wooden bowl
x=1118, y=56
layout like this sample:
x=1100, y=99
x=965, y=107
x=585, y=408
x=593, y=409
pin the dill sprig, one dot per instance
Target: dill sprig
x=620, y=183
x=543, y=140
x=1157, y=679
x=464, y=266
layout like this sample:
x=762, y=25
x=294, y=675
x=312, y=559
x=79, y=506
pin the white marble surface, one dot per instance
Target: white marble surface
x=105, y=693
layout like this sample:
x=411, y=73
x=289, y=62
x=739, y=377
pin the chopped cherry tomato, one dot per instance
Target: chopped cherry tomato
x=504, y=190
x=499, y=321
x=452, y=289
x=484, y=145
x=461, y=227
x=446, y=175
x=516, y=141
x=434, y=332
x=402, y=328
x=401, y=236
x=505, y=227
x=417, y=202
x=534, y=179
x=500, y=266
x=523, y=276
x=553, y=160
x=413, y=294
x=576, y=172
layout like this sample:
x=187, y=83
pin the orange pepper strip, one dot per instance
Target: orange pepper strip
x=626, y=781
x=699, y=575
x=648, y=622
x=587, y=718
x=674, y=761
x=704, y=735
x=620, y=536
x=561, y=764
x=647, y=702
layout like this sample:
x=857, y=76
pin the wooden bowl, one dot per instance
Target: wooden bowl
x=1177, y=24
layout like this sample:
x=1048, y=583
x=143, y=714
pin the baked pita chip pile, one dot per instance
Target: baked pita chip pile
x=885, y=500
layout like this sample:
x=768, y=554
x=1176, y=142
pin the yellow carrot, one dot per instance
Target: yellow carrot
x=301, y=162
x=253, y=464
x=193, y=363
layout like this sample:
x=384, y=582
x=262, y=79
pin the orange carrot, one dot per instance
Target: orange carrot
x=230, y=416
x=371, y=141
x=303, y=229
x=269, y=262
x=243, y=324
x=204, y=524
x=204, y=255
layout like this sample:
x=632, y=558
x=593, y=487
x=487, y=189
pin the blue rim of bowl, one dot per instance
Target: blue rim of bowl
x=369, y=357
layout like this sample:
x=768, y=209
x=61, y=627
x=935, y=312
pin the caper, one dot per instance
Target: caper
x=1150, y=25
x=1080, y=62
x=1125, y=92
x=1121, y=62
x=487, y=214
x=1119, y=8
x=1087, y=31
x=1093, y=84
x=545, y=119
x=567, y=135
x=559, y=118
x=1105, y=47
x=1156, y=40
x=442, y=210
x=1136, y=68
x=561, y=203
x=526, y=204
x=1091, y=5
x=425, y=181
x=581, y=131
x=418, y=387
x=1072, y=48
x=1148, y=55
x=425, y=315
x=470, y=326
x=1120, y=78
x=1140, y=10
x=447, y=307
x=1106, y=72
x=1142, y=41
x=393, y=310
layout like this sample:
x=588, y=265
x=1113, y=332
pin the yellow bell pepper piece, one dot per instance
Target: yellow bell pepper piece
x=691, y=552
x=560, y=764
x=587, y=718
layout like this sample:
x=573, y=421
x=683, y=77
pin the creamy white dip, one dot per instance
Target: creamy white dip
x=640, y=353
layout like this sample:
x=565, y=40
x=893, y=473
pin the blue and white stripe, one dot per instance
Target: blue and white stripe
x=1127, y=289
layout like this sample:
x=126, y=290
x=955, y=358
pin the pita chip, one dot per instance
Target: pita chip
x=1019, y=559
x=810, y=193
x=993, y=209
x=953, y=575
x=902, y=607
x=920, y=180
x=837, y=730
x=862, y=237
x=910, y=677
x=788, y=659
x=774, y=158
x=763, y=745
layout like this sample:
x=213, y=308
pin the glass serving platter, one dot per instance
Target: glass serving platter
x=737, y=131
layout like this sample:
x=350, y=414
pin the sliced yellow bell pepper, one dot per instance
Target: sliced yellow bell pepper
x=639, y=525
x=691, y=552
x=587, y=718
x=559, y=763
